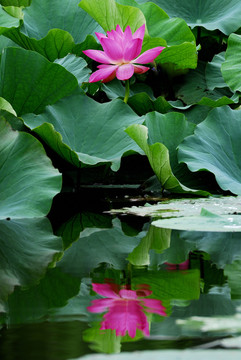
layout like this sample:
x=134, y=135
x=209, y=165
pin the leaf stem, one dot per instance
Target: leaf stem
x=127, y=91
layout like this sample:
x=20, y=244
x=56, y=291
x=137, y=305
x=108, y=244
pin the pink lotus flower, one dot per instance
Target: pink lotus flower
x=125, y=308
x=121, y=54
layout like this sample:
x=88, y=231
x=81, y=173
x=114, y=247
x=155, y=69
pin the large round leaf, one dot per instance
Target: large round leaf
x=30, y=82
x=28, y=181
x=82, y=130
x=56, y=44
x=231, y=65
x=108, y=14
x=210, y=14
x=44, y=15
x=28, y=246
x=215, y=146
x=53, y=28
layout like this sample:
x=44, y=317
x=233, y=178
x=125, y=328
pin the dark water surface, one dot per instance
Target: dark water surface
x=120, y=285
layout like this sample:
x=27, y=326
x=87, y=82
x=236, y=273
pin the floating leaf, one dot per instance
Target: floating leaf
x=224, y=205
x=207, y=222
x=28, y=181
x=215, y=147
x=171, y=354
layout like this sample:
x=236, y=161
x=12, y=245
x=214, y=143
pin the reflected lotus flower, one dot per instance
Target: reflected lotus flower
x=125, y=308
x=121, y=54
x=182, y=266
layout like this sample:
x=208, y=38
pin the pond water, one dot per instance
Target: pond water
x=121, y=285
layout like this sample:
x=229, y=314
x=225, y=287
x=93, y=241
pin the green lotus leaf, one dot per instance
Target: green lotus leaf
x=76, y=66
x=29, y=82
x=194, y=89
x=213, y=74
x=109, y=14
x=44, y=15
x=18, y=3
x=215, y=147
x=230, y=67
x=182, y=56
x=174, y=31
x=28, y=181
x=160, y=126
x=116, y=88
x=213, y=14
x=7, y=21
x=142, y=104
x=158, y=156
x=82, y=130
x=53, y=29
x=15, y=12
x=28, y=247
x=56, y=44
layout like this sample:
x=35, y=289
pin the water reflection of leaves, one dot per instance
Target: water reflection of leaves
x=33, y=248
